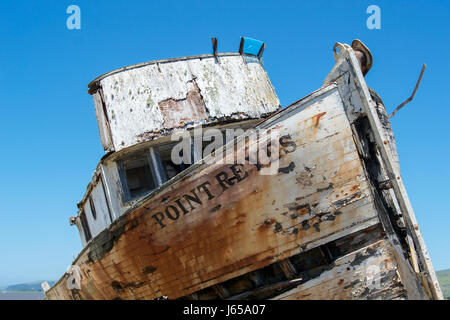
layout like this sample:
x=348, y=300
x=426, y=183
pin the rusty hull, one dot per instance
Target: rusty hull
x=218, y=222
x=318, y=228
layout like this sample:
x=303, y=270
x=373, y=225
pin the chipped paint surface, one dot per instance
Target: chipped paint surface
x=370, y=273
x=250, y=224
x=358, y=101
x=322, y=227
x=144, y=102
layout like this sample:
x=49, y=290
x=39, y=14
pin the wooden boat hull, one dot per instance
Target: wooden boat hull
x=319, y=228
x=321, y=193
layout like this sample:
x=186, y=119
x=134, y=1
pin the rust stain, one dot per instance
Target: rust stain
x=355, y=187
x=303, y=210
x=317, y=118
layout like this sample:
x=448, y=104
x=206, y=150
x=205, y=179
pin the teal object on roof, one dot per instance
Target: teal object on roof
x=251, y=46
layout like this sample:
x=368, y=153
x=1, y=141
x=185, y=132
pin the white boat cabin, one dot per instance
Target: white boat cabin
x=139, y=107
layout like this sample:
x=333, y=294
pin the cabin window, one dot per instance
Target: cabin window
x=85, y=226
x=139, y=180
x=92, y=206
x=144, y=171
x=137, y=175
x=171, y=169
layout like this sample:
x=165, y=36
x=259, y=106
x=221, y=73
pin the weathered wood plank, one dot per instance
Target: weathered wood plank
x=357, y=100
x=368, y=273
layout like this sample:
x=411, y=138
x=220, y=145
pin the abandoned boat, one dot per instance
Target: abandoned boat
x=331, y=220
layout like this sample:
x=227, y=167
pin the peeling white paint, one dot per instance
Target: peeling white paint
x=228, y=89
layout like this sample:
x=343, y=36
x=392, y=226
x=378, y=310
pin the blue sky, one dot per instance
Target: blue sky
x=49, y=138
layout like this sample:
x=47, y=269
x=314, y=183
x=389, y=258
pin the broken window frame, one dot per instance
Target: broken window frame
x=85, y=226
x=92, y=207
x=157, y=173
x=157, y=166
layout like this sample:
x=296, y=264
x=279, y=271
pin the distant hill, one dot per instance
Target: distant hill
x=30, y=286
x=444, y=282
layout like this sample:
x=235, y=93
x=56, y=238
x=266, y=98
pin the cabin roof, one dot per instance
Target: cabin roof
x=93, y=85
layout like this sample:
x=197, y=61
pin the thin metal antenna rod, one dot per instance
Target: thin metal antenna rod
x=412, y=95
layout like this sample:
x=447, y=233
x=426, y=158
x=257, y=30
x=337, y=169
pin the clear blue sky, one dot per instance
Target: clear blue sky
x=49, y=138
